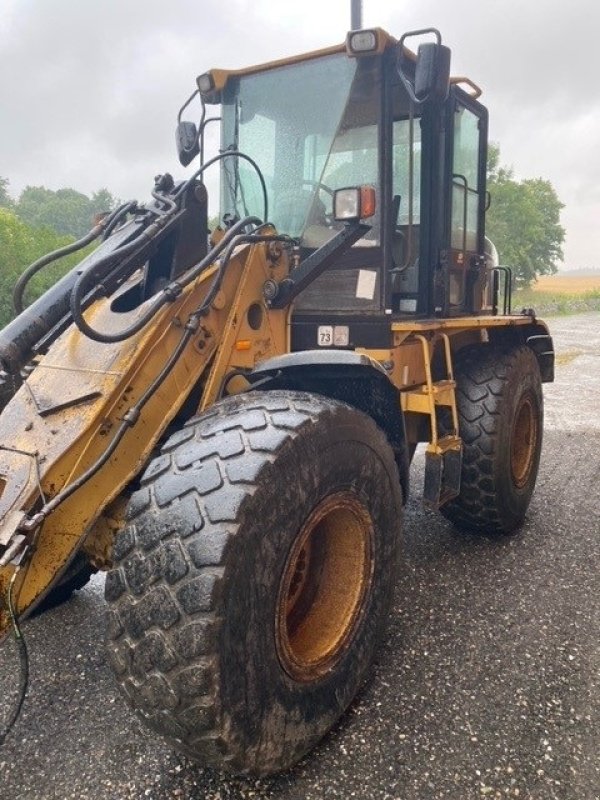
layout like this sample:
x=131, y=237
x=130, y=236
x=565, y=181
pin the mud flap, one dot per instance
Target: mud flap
x=442, y=477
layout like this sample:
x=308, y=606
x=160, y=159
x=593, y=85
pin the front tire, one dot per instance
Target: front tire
x=500, y=411
x=255, y=577
x=77, y=576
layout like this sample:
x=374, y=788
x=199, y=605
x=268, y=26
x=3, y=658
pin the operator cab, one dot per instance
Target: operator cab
x=345, y=117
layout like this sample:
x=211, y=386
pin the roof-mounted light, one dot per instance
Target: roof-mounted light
x=206, y=83
x=211, y=84
x=368, y=42
x=362, y=41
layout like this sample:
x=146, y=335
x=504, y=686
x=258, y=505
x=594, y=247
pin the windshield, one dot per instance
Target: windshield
x=312, y=128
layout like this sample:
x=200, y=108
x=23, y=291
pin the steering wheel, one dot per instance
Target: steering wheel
x=321, y=215
x=319, y=185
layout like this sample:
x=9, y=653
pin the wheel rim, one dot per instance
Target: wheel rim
x=324, y=587
x=524, y=441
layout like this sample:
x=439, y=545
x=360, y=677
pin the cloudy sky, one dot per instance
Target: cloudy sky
x=89, y=90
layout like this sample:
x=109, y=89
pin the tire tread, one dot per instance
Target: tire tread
x=162, y=592
x=482, y=376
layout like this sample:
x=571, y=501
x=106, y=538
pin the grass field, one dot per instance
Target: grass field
x=561, y=294
x=567, y=284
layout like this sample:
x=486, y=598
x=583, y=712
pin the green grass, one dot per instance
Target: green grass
x=556, y=303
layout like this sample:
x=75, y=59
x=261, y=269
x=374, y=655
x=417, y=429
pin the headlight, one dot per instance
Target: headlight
x=356, y=202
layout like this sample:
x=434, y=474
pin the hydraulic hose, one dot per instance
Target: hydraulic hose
x=117, y=216
x=104, y=227
x=168, y=294
x=131, y=416
x=128, y=421
x=42, y=262
x=250, y=238
x=82, y=285
x=220, y=157
x=231, y=234
x=23, y=660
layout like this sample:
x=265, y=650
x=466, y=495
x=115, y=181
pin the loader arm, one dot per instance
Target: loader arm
x=66, y=414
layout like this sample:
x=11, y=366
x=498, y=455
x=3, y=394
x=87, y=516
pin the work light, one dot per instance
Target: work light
x=356, y=202
x=362, y=41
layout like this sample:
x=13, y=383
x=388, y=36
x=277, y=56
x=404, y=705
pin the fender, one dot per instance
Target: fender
x=537, y=337
x=347, y=376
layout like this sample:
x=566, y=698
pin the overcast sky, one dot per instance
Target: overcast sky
x=90, y=89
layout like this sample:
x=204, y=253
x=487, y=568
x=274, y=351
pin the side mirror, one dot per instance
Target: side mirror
x=188, y=145
x=432, y=72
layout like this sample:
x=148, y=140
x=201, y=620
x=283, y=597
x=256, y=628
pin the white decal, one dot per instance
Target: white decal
x=365, y=285
x=341, y=335
x=325, y=335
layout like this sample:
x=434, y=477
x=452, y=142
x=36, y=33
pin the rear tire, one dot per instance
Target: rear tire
x=500, y=410
x=254, y=578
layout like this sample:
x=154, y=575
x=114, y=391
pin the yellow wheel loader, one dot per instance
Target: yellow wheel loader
x=224, y=420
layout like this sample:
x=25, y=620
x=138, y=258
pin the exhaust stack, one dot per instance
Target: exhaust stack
x=355, y=15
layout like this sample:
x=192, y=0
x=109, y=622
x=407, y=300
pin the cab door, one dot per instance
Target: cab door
x=466, y=158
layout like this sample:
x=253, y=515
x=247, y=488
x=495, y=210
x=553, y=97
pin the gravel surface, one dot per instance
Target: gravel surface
x=486, y=685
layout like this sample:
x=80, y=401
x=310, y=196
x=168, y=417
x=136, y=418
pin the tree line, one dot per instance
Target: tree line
x=38, y=221
x=523, y=221
x=66, y=211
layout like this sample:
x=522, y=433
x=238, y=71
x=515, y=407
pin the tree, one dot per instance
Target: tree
x=20, y=245
x=523, y=221
x=101, y=202
x=5, y=199
x=66, y=210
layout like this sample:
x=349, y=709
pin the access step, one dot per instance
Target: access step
x=442, y=472
x=419, y=400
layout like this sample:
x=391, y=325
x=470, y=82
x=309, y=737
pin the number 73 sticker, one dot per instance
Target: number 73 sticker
x=333, y=336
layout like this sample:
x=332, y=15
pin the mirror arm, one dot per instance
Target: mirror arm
x=436, y=59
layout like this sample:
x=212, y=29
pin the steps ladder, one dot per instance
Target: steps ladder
x=443, y=457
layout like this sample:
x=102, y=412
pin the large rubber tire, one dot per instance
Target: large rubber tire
x=255, y=577
x=500, y=409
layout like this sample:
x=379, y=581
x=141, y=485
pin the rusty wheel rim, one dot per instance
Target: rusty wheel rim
x=524, y=441
x=324, y=586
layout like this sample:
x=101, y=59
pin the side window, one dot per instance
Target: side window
x=465, y=181
x=401, y=169
x=406, y=192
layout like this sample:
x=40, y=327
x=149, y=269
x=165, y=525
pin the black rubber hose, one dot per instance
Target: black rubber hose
x=104, y=227
x=250, y=238
x=220, y=157
x=130, y=418
x=81, y=288
x=167, y=295
x=23, y=661
x=117, y=216
x=132, y=415
x=227, y=239
x=42, y=262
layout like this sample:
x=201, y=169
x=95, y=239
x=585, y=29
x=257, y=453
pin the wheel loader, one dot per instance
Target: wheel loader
x=224, y=420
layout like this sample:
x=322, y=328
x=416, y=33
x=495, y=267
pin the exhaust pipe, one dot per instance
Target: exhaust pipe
x=355, y=15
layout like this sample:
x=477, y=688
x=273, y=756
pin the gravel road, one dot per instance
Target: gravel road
x=487, y=684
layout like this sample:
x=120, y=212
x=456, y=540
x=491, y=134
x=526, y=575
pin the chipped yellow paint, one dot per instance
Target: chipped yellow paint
x=98, y=543
x=46, y=446
x=105, y=380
